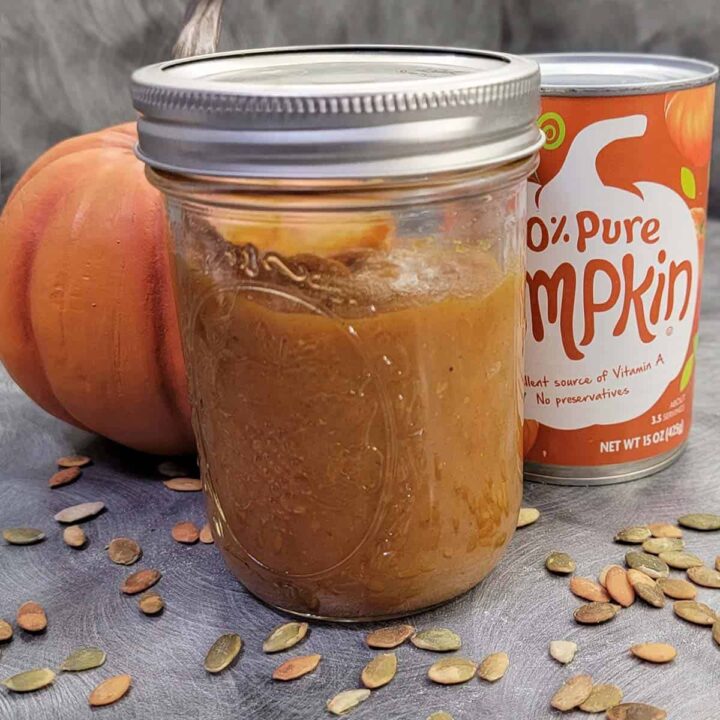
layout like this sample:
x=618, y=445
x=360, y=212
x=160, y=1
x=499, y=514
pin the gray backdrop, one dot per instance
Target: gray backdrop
x=64, y=64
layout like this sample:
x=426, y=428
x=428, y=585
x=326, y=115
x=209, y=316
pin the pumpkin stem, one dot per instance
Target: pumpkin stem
x=201, y=31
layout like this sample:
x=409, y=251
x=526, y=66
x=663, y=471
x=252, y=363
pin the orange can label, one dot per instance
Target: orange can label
x=615, y=236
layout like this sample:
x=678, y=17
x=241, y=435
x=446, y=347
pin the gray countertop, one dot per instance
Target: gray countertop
x=519, y=608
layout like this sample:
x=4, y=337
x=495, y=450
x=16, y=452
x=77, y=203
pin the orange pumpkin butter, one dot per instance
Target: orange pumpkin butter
x=87, y=320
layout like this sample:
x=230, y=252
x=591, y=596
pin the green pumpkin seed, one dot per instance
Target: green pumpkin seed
x=694, y=612
x=573, y=692
x=224, y=650
x=389, y=637
x=70, y=461
x=452, y=671
x=677, y=589
x=285, y=636
x=636, y=711
x=654, y=652
x=563, y=651
x=440, y=715
x=655, y=546
x=23, y=536
x=700, y=521
x=527, y=516
x=494, y=666
x=296, y=667
x=595, y=613
x=379, y=671
x=347, y=700
x=650, y=593
x=664, y=530
x=84, y=658
x=633, y=535
x=184, y=484
x=436, y=640
x=716, y=631
x=602, y=698
x=124, y=551
x=649, y=564
x=704, y=576
x=560, y=563
x=6, y=631
x=77, y=513
x=681, y=560
x=30, y=680
x=64, y=477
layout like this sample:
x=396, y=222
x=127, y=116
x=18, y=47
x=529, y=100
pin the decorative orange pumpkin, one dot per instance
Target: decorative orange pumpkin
x=87, y=320
x=689, y=119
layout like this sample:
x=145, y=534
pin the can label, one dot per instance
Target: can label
x=616, y=224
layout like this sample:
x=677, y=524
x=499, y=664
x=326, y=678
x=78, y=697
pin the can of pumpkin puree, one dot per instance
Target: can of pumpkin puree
x=616, y=228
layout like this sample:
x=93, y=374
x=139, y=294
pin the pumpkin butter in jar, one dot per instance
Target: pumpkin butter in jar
x=350, y=292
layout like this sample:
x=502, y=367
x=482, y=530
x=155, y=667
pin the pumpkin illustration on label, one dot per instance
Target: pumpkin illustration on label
x=611, y=288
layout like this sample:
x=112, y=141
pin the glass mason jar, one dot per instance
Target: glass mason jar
x=352, y=325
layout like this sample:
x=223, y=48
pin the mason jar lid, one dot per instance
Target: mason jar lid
x=606, y=73
x=366, y=111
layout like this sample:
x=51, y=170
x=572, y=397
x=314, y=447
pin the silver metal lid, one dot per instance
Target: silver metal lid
x=337, y=111
x=605, y=74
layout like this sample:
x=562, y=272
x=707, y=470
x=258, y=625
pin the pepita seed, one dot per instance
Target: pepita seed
x=665, y=530
x=183, y=484
x=30, y=680
x=296, y=667
x=633, y=535
x=185, y=532
x=704, y=576
x=84, y=658
x=285, y=636
x=124, y=551
x=347, y=700
x=602, y=698
x=694, y=612
x=73, y=461
x=560, y=563
x=716, y=631
x=452, y=671
x=588, y=590
x=151, y=603
x=206, y=536
x=527, y=516
x=77, y=513
x=681, y=560
x=110, y=691
x=74, y=536
x=6, y=631
x=649, y=564
x=717, y=562
x=700, y=521
x=64, y=477
x=440, y=715
x=563, y=651
x=389, y=637
x=573, y=693
x=649, y=591
x=654, y=652
x=379, y=671
x=619, y=587
x=31, y=617
x=655, y=546
x=602, y=577
x=140, y=581
x=595, y=613
x=494, y=666
x=23, y=536
x=677, y=589
x=636, y=711
x=436, y=640
x=223, y=651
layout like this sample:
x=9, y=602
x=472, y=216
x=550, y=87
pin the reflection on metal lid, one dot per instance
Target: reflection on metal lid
x=620, y=73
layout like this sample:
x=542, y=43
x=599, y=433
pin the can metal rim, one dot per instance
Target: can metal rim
x=607, y=74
